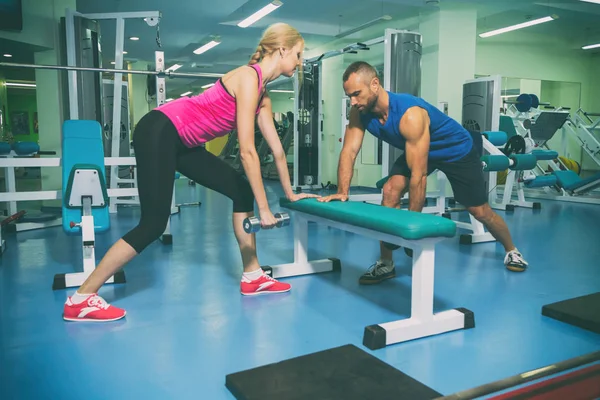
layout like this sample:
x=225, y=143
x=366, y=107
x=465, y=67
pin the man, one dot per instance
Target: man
x=431, y=140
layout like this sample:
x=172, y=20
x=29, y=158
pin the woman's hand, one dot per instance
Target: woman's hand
x=267, y=219
x=298, y=196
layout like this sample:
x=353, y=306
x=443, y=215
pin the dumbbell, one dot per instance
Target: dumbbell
x=252, y=224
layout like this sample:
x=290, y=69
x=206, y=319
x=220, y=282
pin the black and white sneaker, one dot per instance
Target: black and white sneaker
x=514, y=261
x=378, y=272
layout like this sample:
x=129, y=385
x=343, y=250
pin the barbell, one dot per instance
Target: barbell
x=160, y=74
x=526, y=102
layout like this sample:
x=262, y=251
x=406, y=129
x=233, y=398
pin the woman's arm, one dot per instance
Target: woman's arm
x=267, y=127
x=246, y=96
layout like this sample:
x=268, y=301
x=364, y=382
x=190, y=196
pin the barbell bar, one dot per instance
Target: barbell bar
x=114, y=71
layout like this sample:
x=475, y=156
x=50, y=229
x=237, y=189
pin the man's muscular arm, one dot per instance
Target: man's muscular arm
x=415, y=129
x=353, y=138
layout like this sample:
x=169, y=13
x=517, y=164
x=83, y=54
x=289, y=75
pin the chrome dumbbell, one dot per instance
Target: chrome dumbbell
x=252, y=224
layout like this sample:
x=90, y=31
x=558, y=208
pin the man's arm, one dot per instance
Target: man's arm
x=353, y=138
x=415, y=129
x=267, y=127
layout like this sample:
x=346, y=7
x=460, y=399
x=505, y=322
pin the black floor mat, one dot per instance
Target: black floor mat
x=344, y=373
x=583, y=311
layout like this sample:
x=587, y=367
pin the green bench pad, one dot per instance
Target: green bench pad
x=406, y=224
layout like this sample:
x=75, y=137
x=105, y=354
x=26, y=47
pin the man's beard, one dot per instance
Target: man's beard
x=370, y=105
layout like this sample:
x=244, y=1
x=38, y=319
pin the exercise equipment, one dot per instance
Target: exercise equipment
x=417, y=231
x=252, y=224
x=582, y=311
x=580, y=384
x=85, y=197
x=310, y=376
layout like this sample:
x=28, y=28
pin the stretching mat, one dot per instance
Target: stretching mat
x=583, y=311
x=341, y=373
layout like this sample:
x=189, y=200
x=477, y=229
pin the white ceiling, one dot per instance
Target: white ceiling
x=187, y=24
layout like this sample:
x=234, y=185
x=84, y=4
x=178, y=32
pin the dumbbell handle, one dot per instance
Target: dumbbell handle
x=252, y=224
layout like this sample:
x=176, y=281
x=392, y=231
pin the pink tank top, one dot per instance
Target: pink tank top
x=209, y=115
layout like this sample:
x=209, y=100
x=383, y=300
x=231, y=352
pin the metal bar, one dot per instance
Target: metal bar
x=114, y=70
x=135, y=14
x=519, y=379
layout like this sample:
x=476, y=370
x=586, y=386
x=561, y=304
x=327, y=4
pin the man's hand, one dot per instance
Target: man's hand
x=332, y=197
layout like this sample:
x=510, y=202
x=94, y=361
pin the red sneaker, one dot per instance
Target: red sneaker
x=94, y=309
x=263, y=285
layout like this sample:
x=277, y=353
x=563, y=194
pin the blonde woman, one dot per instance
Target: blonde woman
x=170, y=138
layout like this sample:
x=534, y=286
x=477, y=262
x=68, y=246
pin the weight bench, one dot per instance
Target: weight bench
x=84, y=195
x=412, y=230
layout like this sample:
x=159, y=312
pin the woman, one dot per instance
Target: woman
x=170, y=138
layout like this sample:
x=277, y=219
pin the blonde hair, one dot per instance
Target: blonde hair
x=275, y=36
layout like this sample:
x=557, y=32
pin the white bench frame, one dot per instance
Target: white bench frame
x=422, y=322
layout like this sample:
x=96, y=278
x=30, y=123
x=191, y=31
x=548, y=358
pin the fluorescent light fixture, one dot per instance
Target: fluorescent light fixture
x=134, y=38
x=124, y=52
x=185, y=94
x=207, y=47
x=112, y=62
x=168, y=100
x=592, y=1
x=363, y=26
x=21, y=85
x=591, y=46
x=269, y=8
x=174, y=67
x=207, y=86
x=8, y=55
x=281, y=91
x=518, y=26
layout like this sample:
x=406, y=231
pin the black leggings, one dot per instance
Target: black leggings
x=159, y=153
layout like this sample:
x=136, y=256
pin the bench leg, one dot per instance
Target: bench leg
x=88, y=241
x=422, y=322
x=301, y=265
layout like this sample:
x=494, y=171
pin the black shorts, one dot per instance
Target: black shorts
x=465, y=176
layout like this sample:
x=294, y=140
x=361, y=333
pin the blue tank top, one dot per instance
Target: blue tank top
x=449, y=141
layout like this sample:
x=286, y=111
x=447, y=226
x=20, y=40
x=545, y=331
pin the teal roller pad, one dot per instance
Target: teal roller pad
x=406, y=224
x=25, y=148
x=497, y=138
x=523, y=162
x=545, y=154
x=495, y=163
x=4, y=148
x=541, y=181
x=381, y=182
x=82, y=144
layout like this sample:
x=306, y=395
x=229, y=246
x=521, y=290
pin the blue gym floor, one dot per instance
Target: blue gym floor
x=187, y=325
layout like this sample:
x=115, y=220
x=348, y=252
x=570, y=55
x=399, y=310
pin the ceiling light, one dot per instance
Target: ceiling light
x=185, y=94
x=592, y=1
x=518, y=26
x=207, y=86
x=207, y=46
x=591, y=46
x=8, y=55
x=22, y=85
x=124, y=52
x=134, y=38
x=173, y=67
x=363, y=26
x=269, y=8
x=281, y=91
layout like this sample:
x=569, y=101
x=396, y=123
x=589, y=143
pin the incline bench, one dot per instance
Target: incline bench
x=412, y=230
